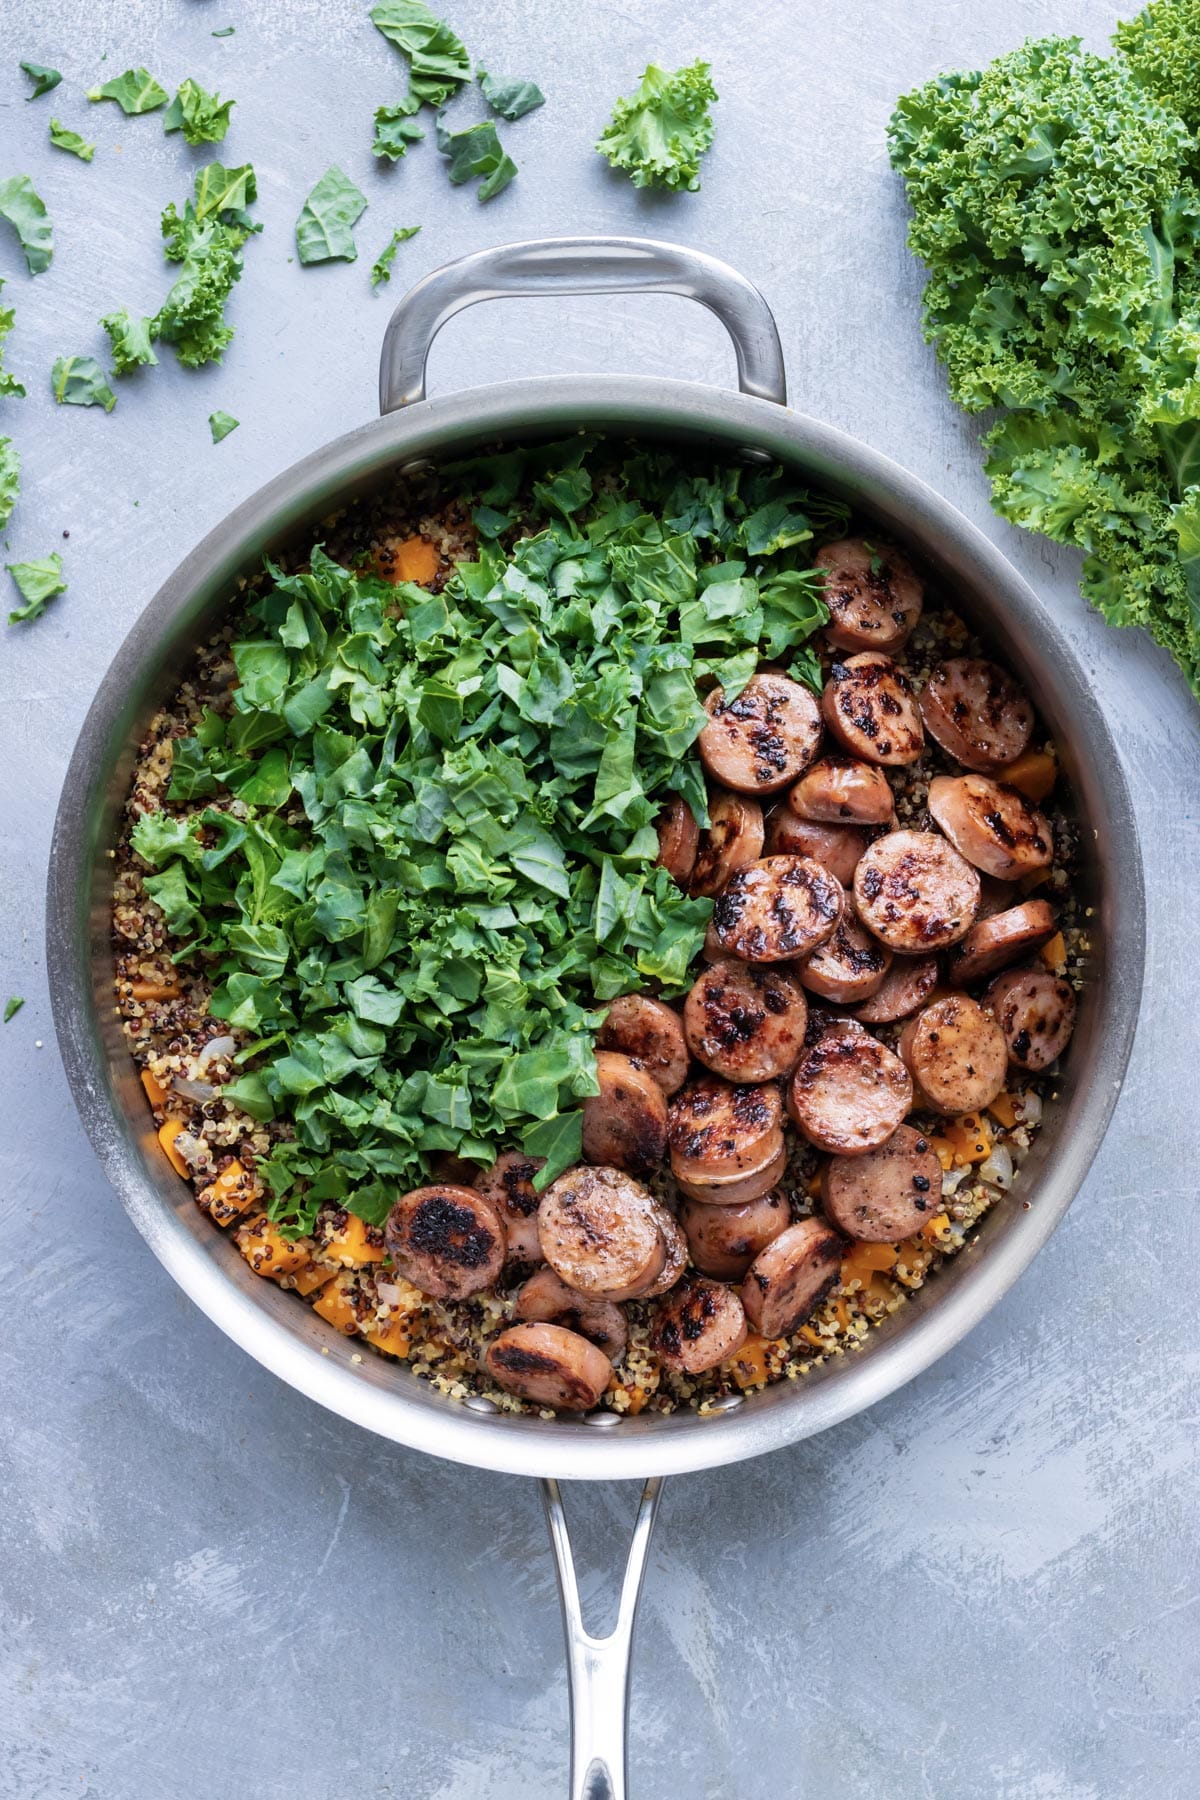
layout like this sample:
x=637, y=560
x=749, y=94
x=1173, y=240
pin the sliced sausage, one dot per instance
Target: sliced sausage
x=761, y=741
x=907, y=985
x=1036, y=1013
x=849, y=966
x=550, y=1366
x=546, y=1299
x=993, y=943
x=699, y=1326
x=788, y=1280
x=836, y=847
x=872, y=591
x=650, y=1035
x=840, y=790
x=778, y=909
x=715, y=1128
x=915, y=892
x=599, y=1230
x=994, y=827
x=625, y=1124
x=678, y=840
x=725, y=1240
x=742, y=1185
x=732, y=840
x=849, y=1092
x=744, y=1022
x=977, y=713
x=956, y=1055
x=868, y=705
x=888, y=1194
x=676, y=1246
x=448, y=1241
x=508, y=1184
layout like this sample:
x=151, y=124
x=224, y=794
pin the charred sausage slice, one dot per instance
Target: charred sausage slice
x=599, y=1230
x=907, y=985
x=849, y=1092
x=1036, y=1013
x=888, y=1194
x=715, y=1128
x=993, y=943
x=448, y=1241
x=676, y=1246
x=873, y=594
x=993, y=826
x=788, y=1280
x=746, y=1023
x=977, y=713
x=678, y=840
x=836, y=847
x=956, y=1055
x=778, y=909
x=868, y=705
x=550, y=1366
x=699, y=1326
x=915, y=892
x=848, y=967
x=508, y=1184
x=732, y=840
x=742, y=1186
x=841, y=790
x=650, y=1035
x=625, y=1124
x=725, y=1240
x=761, y=741
x=546, y=1299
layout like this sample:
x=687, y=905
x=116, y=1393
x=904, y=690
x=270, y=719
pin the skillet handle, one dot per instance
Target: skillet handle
x=580, y=265
x=598, y=1667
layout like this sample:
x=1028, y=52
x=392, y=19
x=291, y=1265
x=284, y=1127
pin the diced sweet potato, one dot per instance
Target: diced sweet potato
x=969, y=1138
x=156, y=1094
x=413, y=560
x=226, y=1198
x=1003, y=1110
x=155, y=990
x=1032, y=774
x=267, y=1251
x=1054, y=953
x=335, y=1304
x=748, y=1366
x=307, y=1281
x=168, y=1131
x=865, y=1259
x=353, y=1243
x=393, y=1338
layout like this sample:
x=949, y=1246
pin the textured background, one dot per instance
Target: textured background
x=985, y=1587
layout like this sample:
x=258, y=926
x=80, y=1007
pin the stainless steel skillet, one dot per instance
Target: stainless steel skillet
x=414, y=431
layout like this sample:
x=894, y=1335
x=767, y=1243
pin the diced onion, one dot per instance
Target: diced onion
x=1031, y=1108
x=953, y=1179
x=216, y=1049
x=199, y=1092
x=998, y=1169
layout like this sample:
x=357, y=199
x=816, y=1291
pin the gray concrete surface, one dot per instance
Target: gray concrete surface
x=210, y=1590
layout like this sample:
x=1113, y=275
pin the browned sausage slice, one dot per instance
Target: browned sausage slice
x=761, y=741
x=1036, y=1012
x=836, y=847
x=678, y=840
x=788, y=1280
x=868, y=705
x=546, y=1299
x=994, y=827
x=746, y=1023
x=725, y=1239
x=676, y=1246
x=915, y=892
x=625, y=1124
x=741, y=1186
x=907, y=985
x=599, y=1231
x=508, y=1184
x=850, y=1091
x=840, y=790
x=887, y=1195
x=732, y=840
x=715, y=1128
x=956, y=1055
x=848, y=967
x=550, y=1366
x=778, y=909
x=448, y=1241
x=993, y=943
x=699, y=1326
x=977, y=713
x=650, y=1035
x=872, y=591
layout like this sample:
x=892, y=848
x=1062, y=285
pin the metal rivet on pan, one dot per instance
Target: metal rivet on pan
x=481, y=1403
x=420, y=465
x=605, y=1420
x=727, y=1403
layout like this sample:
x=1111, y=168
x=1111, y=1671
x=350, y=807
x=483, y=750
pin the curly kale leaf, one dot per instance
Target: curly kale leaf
x=659, y=134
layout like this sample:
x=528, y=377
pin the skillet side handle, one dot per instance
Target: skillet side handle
x=598, y=1668
x=580, y=265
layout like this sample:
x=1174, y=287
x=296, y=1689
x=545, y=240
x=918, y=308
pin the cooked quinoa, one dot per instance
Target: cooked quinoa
x=186, y=1056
